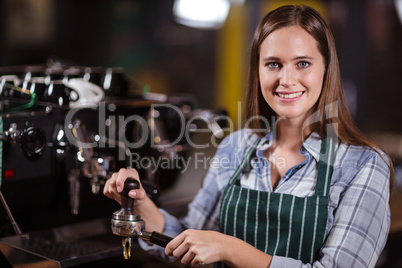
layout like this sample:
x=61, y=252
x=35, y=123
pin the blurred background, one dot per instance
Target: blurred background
x=168, y=54
x=145, y=38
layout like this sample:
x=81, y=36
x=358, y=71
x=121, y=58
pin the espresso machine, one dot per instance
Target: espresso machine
x=58, y=150
x=53, y=213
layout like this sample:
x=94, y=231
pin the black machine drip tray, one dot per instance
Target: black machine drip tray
x=64, y=246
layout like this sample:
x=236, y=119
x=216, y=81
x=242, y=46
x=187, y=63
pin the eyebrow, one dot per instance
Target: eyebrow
x=295, y=58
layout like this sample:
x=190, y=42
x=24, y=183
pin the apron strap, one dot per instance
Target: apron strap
x=325, y=166
x=245, y=160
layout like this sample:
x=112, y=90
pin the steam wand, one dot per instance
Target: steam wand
x=126, y=223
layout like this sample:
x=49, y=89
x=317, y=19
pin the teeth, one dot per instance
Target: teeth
x=290, y=96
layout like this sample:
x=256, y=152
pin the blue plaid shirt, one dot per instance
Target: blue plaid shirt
x=358, y=212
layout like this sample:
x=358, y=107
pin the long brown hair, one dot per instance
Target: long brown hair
x=311, y=21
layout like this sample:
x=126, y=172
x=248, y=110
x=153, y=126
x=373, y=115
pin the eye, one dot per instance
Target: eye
x=272, y=65
x=303, y=64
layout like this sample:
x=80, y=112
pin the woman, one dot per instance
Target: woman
x=310, y=189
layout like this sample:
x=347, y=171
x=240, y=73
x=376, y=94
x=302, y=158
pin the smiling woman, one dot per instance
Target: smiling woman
x=325, y=204
x=291, y=72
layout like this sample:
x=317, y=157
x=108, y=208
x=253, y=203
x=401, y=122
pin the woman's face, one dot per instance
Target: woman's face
x=291, y=72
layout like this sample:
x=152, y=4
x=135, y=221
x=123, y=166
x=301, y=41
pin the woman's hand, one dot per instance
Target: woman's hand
x=143, y=205
x=115, y=184
x=194, y=247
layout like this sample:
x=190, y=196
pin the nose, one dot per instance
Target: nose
x=287, y=77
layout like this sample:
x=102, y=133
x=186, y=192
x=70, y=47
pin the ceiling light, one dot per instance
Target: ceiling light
x=398, y=7
x=207, y=14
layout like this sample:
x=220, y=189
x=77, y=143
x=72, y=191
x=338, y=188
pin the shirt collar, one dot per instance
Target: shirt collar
x=312, y=145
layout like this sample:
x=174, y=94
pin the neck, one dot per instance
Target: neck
x=290, y=133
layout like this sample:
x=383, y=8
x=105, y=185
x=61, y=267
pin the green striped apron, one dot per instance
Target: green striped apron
x=275, y=223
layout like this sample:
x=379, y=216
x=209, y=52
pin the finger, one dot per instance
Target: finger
x=109, y=184
x=188, y=258
x=183, y=250
x=196, y=262
x=113, y=194
x=173, y=244
x=137, y=193
x=123, y=174
x=180, y=252
x=107, y=187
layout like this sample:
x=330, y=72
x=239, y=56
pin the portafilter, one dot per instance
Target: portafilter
x=126, y=223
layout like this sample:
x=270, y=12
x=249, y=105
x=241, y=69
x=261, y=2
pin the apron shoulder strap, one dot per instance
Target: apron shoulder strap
x=325, y=166
x=245, y=160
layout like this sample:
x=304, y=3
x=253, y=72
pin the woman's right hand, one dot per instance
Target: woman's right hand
x=143, y=205
x=115, y=184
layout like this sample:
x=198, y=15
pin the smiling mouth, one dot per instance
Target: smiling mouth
x=289, y=95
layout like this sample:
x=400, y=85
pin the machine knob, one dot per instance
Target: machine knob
x=33, y=141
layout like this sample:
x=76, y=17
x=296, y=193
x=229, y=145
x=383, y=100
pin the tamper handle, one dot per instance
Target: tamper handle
x=127, y=202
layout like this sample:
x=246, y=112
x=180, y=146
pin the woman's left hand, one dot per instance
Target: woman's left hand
x=194, y=247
